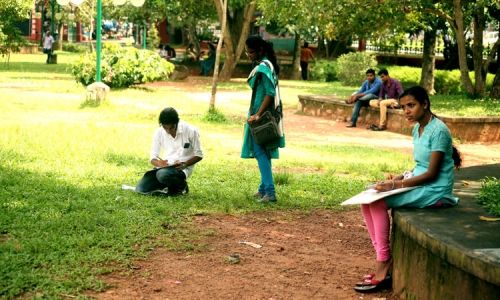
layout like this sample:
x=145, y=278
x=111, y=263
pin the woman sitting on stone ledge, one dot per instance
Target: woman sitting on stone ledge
x=433, y=177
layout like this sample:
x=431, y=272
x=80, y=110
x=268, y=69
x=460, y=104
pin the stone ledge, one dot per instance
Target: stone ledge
x=448, y=253
x=482, y=129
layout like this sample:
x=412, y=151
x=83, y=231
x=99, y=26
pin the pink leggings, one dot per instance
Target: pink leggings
x=378, y=224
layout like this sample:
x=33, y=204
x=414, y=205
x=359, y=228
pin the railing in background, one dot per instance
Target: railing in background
x=410, y=49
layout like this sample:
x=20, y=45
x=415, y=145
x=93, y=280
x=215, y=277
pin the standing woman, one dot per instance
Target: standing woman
x=265, y=96
x=433, y=177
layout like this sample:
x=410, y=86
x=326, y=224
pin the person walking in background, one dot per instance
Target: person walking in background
x=368, y=91
x=265, y=96
x=388, y=97
x=305, y=56
x=175, y=150
x=48, y=41
x=433, y=177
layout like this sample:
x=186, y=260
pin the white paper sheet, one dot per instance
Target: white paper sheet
x=371, y=195
x=128, y=187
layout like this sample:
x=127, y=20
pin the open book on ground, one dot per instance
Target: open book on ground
x=371, y=195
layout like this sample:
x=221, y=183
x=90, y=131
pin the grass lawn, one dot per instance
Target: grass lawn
x=64, y=219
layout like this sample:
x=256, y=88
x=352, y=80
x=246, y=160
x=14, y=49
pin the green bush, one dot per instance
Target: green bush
x=75, y=47
x=153, y=40
x=122, y=67
x=408, y=76
x=445, y=82
x=214, y=115
x=489, y=195
x=324, y=70
x=352, y=67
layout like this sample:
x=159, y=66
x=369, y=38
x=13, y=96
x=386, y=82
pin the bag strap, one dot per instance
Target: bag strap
x=254, y=90
x=278, y=113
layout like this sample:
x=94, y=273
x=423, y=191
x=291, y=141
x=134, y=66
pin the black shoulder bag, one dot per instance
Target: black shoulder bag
x=265, y=129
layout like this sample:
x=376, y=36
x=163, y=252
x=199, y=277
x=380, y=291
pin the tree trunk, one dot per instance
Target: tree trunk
x=327, y=48
x=495, y=89
x=458, y=26
x=296, y=59
x=428, y=61
x=217, y=55
x=236, y=33
x=479, y=23
x=193, y=38
x=320, y=52
x=91, y=26
x=361, y=45
x=60, y=37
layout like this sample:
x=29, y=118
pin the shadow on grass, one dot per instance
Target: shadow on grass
x=56, y=237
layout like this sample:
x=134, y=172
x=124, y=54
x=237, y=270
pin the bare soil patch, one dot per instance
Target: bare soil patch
x=319, y=255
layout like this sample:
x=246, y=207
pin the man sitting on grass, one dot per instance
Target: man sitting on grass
x=388, y=97
x=369, y=90
x=176, y=148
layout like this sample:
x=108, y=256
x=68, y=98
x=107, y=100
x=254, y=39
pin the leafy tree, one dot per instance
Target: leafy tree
x=494, y=12
x=291, y=16
x=85, y=13
x=239, y=17
x=459, y=13
x=188, y=14
x=11, y=12
x=418, y=20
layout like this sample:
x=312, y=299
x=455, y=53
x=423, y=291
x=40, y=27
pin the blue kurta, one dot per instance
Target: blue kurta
x=266, y=86
x=435, y=137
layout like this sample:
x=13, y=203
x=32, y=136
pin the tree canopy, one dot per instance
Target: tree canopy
x=11, y=12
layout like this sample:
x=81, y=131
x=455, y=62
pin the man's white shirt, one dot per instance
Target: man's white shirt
x=185, y=145
x=47, y=42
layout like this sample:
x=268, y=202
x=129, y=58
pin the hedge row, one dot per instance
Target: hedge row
x=350, y=70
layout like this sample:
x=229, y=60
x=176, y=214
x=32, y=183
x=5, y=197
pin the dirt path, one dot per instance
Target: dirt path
x=303, y=256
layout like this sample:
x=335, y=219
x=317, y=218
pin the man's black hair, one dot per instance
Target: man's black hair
x=168, y=116
x=370, y=71
x=383, y=71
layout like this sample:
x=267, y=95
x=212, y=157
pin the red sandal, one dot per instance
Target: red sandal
x=374, y=285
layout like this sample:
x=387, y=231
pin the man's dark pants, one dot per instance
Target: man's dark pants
x=361, y=102
x=49, y=55
x=303, y=67
x=158, y=179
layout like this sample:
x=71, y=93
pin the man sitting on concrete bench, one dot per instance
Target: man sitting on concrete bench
x=368, y=91
x=388, y=97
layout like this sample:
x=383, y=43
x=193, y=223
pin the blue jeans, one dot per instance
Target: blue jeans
x=363, y=101
x=158, y=179
x=265, y=168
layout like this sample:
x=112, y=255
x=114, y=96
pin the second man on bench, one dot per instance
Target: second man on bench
x=388, y=97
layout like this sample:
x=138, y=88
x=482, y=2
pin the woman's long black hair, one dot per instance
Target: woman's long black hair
x=420, y=94
x=257, y=43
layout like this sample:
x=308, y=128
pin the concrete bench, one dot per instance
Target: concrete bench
x=484, y=130
x=448, y=253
